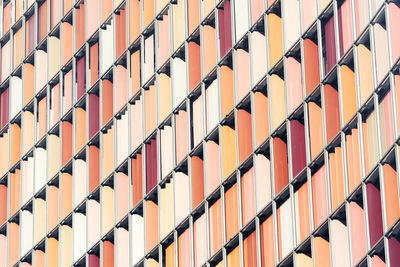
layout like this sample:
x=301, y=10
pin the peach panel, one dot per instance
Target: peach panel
x=303, y=260
x=66, y=45
x=257, y=8
x=245, y=141
x=13, y=243
x=311, y=64
x=391, y=195
x=66, y=194
x=39, y=221
x=233, y=258
x=135, y=71
x=151, y=211
x=106, y=9
x=320, y=204
x=357, y=231
x=321, y=252
x=208, y=6
x=250, y=250
x=275, y=43
x=29, y=72
x=303, y=209
x=345, y=32
x=336, y=177
x=381, y=51
x=108, y=152
x=215, y=221
x=267, y=246
x=134, y=19
x=348, y=92
x=121, y=87
x=39, y=258
x=122, y=193
x=394, y=17
x=17, y=47
x=150, y=110
x=164, y=96
x=122, y=247
x=148, y=12
x=200, y=241
x=278, y=102
x=15, y=189
x=15, y=143
x=242, y=74
x=3, y=208
x=52, y=252
x=226, y=85
x=361, y=15
x=213, y=165
x=294, y=86
x=309, y=12
x=193, y=15
x=261, y=119
x=170, y=256
x=197, y=120
x=52, y=207
x=178, y=23
x=163, y=39
x=231, y=211
x=136, y=124
x=183, y=248
x=93, y=15
x=197, y=170
x=80, y=129
x=228, y=150
x=248, y=196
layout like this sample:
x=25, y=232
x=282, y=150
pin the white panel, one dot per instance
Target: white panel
x=178, y=81
x=148, y=57
x=93, y=213
x=41, y=78
x=26, y=223
x=166, y=150
x=79, y=232
x=15, y=96
x=286, y=227
x=122, y=139
x=262, y=169
x=212, y=104
x=340, y=244
x=137, y=232
x=122, y=247
x=106, y=47
x=80, y=181
x=291, y=22
x=241, y=18
x=40, y=168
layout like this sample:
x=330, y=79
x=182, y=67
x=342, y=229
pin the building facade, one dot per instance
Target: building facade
x=248, y=133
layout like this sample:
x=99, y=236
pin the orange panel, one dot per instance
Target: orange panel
x=280, y=164
x=245, y=141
